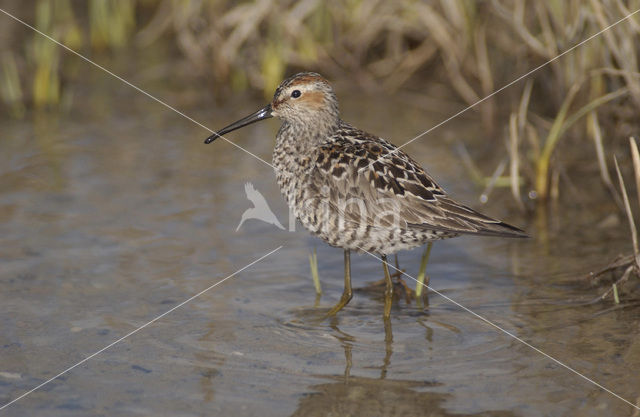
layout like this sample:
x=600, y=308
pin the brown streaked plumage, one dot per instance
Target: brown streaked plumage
x=355, y=190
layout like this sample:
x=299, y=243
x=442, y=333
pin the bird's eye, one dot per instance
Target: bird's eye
x=296, y=93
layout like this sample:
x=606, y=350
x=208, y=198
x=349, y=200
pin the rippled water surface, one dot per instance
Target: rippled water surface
x=117, y=213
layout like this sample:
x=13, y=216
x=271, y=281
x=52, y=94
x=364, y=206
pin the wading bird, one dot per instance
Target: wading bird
x=355, y=190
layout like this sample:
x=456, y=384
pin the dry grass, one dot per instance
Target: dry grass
x=629, y=264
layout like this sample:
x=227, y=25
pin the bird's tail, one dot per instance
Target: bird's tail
x=457, y=218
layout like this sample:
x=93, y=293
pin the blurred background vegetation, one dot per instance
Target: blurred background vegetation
x=588, y=98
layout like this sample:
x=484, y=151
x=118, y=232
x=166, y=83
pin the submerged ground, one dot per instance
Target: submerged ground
x=116, y=213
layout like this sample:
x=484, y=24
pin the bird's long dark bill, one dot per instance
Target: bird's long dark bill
x=263, y=113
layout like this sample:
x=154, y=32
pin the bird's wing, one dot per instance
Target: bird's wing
x=394, y=190
x=254, y=195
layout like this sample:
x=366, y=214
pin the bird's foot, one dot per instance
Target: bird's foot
x=400, y=287
x=344, y=300
x=406, y=290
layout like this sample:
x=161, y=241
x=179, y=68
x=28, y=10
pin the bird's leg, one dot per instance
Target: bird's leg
x=397, y=274
x=388, y=291
x=347, y=293
x=423, y=269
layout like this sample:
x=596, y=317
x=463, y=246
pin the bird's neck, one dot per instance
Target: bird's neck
x=301, y=139
x=295, y=152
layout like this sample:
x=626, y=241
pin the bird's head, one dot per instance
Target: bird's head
x=305, y=99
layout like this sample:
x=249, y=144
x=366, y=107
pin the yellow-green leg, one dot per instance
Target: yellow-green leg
x=423, y=270
x=388, y=291
x=347, y=293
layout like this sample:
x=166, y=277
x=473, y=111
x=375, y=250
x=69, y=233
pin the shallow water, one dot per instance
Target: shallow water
x=116, y=214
